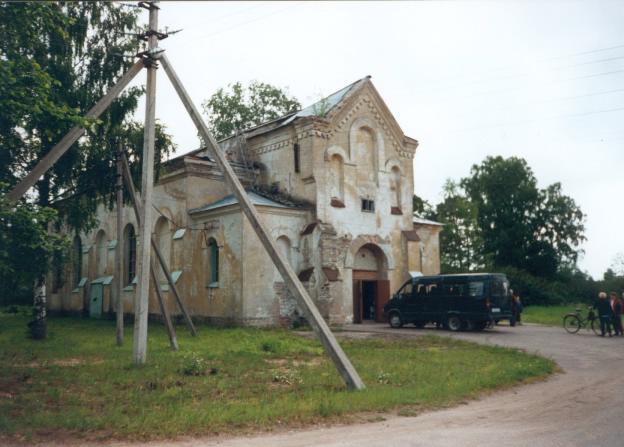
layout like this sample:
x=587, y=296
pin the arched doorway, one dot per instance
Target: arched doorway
x=371, y=289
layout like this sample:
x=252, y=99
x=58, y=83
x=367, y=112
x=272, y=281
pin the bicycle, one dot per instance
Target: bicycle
x=574, y=321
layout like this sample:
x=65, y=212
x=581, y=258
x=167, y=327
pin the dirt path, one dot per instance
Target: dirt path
x=582, y=407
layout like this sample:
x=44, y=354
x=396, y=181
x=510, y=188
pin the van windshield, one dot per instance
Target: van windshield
x=500, y=287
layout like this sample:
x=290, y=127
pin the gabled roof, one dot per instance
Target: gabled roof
x=327, y=107
x=256, y=199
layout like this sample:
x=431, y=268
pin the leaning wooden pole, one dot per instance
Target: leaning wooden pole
x=161, y=260
x=72, y=136
x=341, y=361
x=141, y=302
x=119, y=250
x=136, y=206
x=173, y=339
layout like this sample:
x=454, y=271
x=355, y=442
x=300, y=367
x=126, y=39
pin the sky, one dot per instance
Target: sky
x=541, y=80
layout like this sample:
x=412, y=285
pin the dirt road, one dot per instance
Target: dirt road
x=584, y=406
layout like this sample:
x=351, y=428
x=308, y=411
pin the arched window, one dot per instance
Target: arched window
x=101, y=253
x=365, y=153
x=76, y=261
x=395, y=189
x=213, y=260
x=284, y=246
x=129, y=254
x=163, y=241
x=336, y=180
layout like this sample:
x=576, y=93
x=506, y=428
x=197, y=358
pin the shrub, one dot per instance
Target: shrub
x=194, y=365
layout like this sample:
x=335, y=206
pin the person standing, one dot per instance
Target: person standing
x=605, y=313
x=616, y=306
x=516, y=308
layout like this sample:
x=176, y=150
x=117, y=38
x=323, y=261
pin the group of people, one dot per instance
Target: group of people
x=610, y=313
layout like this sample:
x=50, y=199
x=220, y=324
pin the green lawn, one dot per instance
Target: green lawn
x=79, y=384
x=549, y=315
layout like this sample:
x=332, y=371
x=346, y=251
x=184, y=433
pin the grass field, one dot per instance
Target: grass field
x=79, y=384
x=549, y=315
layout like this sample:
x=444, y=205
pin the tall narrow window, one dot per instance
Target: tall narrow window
x=101, y=253
x=213, y=252
x=336, y=181
x=130, y=254
x=76, y=261
x=296, y=156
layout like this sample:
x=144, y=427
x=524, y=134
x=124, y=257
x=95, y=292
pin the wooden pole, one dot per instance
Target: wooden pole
x=119, y=249
x=70, y=138
x=132, y=191
x=173, y=340
x=136, y=206
x=141, y=303
x=341, y=361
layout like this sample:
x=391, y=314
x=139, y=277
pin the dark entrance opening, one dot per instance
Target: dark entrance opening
x=369, y=300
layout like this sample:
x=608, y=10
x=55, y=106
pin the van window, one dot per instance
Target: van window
x=428, y=288
x=475, y=288
x=407, y=289
x=455, y=288
x=499, y=287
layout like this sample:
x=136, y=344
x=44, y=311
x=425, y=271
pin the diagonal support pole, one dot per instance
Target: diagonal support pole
x=341, y=361
x=161, y=260
x=72, y=136
x=136, y=206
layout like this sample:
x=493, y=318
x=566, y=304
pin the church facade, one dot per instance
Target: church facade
x=333, y=184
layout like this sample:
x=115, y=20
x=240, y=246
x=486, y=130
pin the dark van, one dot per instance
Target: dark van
x=458, y=302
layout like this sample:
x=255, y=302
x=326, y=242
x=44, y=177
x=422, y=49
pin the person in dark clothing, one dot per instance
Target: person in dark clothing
x=616, y=306
x=605, y=313
x=517, y=308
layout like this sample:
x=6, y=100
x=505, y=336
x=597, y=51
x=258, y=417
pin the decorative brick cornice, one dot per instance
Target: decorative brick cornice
x=315, y=128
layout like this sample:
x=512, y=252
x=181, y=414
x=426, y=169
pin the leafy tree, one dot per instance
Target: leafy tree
x=27, y=250
x=56, y=60
x=460, y=241
x=421, y=207
x=240, y=108
x=617, y=264
x=538, y=230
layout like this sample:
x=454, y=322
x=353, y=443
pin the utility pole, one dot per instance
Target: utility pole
x=141, y=303
x=119, y=249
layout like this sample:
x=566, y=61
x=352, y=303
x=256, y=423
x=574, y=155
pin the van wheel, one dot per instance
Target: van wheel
x=395, y=320
x=454, y=323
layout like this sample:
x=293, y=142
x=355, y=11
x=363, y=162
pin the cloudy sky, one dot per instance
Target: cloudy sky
x=535, y=79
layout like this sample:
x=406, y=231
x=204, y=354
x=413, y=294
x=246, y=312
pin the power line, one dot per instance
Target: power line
x=511, y=67
x=514, y=123
x=544, y=101
x=272, y=13
x=509, y=89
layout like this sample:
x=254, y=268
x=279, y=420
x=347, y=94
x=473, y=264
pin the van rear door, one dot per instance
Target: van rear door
x=499, y=293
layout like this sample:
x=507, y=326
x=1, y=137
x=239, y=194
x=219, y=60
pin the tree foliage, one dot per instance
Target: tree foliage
x=57, y=59
x=240, y=108
x=461, y=239
x=26, y=248
x=498, y=217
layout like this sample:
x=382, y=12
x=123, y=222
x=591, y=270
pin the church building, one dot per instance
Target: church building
x=333, y=184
